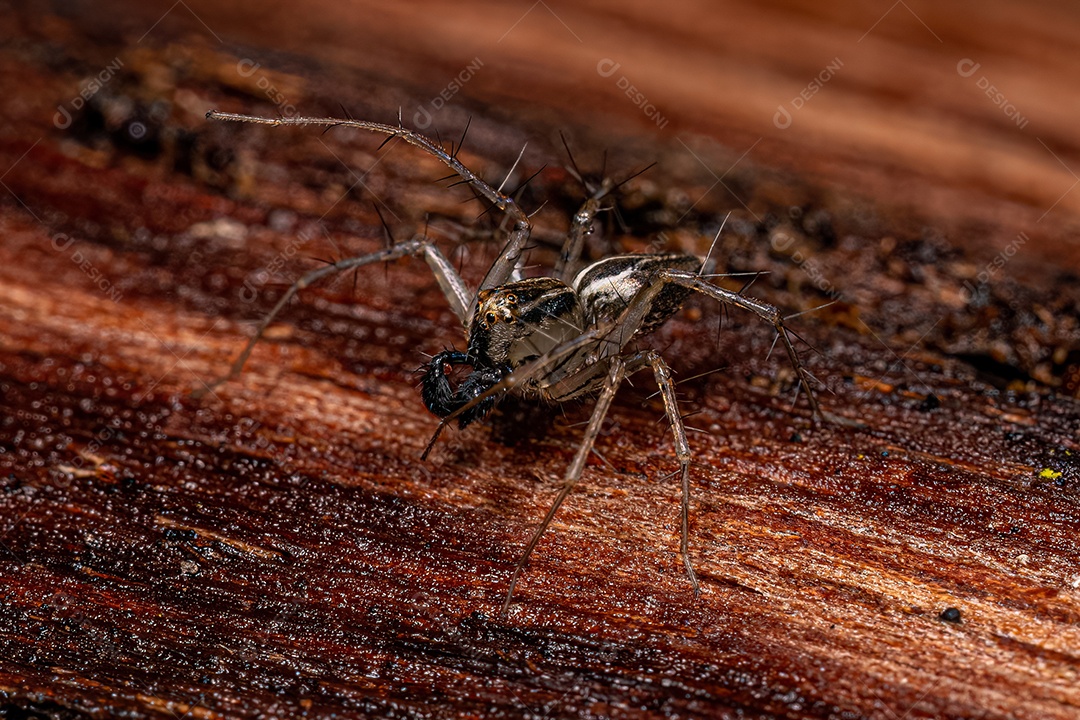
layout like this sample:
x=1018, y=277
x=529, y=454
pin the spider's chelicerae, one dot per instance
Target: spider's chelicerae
x=556, y=338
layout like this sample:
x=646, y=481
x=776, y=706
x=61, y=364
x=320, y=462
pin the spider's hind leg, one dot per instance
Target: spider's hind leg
x=601, y=198
x=767, y=312
x=450, y=283
x=636, y=313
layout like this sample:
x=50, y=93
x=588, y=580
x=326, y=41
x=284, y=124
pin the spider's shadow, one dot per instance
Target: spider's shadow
x=518, y=420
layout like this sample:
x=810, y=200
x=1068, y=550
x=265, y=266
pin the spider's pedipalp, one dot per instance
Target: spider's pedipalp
x=443, y=399
x=438, y=394
x=566, y=360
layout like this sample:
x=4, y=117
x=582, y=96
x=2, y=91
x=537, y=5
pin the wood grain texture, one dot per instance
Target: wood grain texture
x=278, y=549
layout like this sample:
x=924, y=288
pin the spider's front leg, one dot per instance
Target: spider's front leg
x=509, y=258
x=457, y=295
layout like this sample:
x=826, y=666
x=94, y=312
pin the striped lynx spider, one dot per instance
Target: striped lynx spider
x=555, y=338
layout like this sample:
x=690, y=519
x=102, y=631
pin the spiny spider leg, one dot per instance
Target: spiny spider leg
x=510, y=256
x=640, y=305
x=582, y=224
x=573, y=473
x=765, y=311
x=580, y=227
x=619, y=369
x=457, y=295
x=662, y=374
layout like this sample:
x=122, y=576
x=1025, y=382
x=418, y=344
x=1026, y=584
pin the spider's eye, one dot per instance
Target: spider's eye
x=490, y=318
x=511, y=299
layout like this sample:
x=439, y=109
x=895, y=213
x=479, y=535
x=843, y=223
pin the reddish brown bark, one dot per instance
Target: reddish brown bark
x=279, y=548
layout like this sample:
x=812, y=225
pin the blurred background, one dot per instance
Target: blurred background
x=961, y=113
x=927, y=129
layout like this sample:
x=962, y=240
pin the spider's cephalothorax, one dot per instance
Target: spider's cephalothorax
x=523, y=321
x=512, y=324
x=556, y=338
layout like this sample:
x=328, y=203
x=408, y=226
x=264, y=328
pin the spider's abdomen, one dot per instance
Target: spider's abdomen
x=605, y=287
x=522, y=320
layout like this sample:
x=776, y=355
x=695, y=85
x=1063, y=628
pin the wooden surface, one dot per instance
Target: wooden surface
x=278, y=549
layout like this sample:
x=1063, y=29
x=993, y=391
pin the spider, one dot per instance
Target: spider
x=556, y=338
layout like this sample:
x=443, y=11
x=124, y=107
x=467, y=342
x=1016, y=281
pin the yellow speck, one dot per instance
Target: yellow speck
x=1049, y=474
